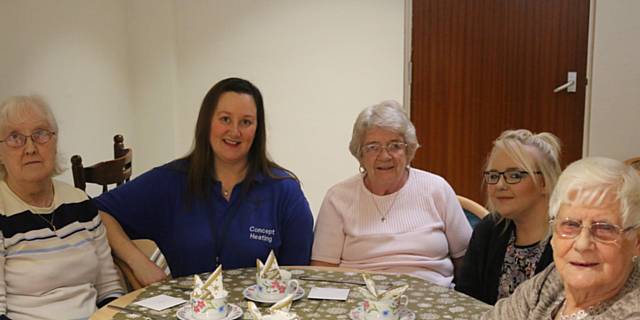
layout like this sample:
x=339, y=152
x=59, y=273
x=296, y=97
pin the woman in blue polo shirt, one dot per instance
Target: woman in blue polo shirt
x=225, y=202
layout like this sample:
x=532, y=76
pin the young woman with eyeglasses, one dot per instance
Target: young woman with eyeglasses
x=511, y=245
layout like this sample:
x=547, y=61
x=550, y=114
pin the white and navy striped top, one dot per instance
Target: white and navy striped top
x=55, y=262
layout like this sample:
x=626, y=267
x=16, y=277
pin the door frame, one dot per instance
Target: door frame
x=408, y=29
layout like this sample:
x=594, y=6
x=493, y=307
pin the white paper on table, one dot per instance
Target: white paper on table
x=160, y=302
x=328, y=293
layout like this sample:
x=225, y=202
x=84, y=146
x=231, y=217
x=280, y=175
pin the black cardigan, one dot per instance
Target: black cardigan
x=482, y=266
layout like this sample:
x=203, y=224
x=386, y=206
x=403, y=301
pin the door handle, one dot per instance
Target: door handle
x=570, y=86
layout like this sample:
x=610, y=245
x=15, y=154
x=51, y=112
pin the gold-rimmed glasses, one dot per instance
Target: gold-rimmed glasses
x=375, y=148
x=603, y=232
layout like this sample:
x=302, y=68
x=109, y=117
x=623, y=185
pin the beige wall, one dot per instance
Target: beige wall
x=615, y=81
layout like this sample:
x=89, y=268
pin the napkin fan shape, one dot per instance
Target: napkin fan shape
x=371, y=293
x=212, y=288
x=278, y=311
x=268, y=270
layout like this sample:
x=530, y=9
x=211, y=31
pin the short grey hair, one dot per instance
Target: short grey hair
x=592, y=181
x=14, y=108
x=387, y=115
x=514, y=143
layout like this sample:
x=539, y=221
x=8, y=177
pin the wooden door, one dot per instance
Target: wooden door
x=480, y=67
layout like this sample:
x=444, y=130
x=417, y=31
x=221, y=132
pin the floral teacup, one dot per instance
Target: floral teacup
x=384, y=309
x=276, y=289
x=209, y=309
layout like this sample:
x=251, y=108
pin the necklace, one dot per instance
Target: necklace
x=225, y=193
x=49, y=222
x=383, y=216
x=578, y=315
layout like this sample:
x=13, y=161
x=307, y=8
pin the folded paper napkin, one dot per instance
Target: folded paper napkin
x=270, y=269
x=278, y=311
x=212, y=288
x=371, y=293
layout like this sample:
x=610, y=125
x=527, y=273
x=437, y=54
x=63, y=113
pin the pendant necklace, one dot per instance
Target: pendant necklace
x=383, y=217
x=49, y=222
x=578, y=315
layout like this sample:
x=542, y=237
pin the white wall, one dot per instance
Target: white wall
x=615, y=93
x=74, y=53
x=152, y=66
x=142, y=67
x=317, y=63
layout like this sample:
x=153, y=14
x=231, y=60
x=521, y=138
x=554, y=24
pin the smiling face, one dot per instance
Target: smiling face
x=518, y=200
x=233, y=127
x=385, y=170
x=586, y=265
x=33, y=162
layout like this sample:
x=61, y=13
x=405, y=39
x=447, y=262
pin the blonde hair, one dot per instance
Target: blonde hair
x=387, y=115
x=14, y=108
x=515, y=143
x=594, y=182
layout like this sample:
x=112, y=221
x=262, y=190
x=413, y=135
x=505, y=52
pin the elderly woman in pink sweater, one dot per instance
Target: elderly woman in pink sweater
x=391, y=217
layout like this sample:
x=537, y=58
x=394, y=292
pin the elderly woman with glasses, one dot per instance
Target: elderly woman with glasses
x=595, y=214
x=55, y=262
x=511, y=245
x=391, y=217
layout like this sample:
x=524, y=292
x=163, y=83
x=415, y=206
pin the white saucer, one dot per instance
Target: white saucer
x=185, y=313
x=250, y=293
x=358, y=313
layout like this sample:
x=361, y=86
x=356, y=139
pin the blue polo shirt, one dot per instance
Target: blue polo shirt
x=273, y=215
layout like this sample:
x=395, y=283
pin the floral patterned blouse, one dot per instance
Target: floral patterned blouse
x=519, y=265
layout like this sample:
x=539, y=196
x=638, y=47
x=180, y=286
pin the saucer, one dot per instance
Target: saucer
x=185, y=313
x=250, y=293
x=358, y=313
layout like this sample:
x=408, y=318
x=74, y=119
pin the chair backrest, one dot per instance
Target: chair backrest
x=116, y=171
x=473, y=210
x=634, y=162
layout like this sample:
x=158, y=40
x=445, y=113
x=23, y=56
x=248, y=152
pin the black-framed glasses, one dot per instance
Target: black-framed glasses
x=17, y=140
x=511, y=176
x=391, y=147
x=603, y=232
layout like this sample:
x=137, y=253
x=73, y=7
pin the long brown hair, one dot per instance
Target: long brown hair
x=201, y=159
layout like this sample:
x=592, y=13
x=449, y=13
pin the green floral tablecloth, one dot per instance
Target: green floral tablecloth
x=426, y=300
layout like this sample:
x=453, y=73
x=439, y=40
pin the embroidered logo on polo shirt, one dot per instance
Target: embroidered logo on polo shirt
x=261, y=234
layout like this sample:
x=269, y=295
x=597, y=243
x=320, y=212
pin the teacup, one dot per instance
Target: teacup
x=209, y=309
x=384, y=309
x=276, y=289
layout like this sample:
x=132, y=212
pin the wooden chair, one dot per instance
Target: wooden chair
x=105, y=173
x=634, y=162
x=474, y=211
x=110, y=172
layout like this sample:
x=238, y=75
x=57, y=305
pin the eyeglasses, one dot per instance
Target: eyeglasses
x=17, y=140
x=511, y=176
x=391, y=147
x=600, y=231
